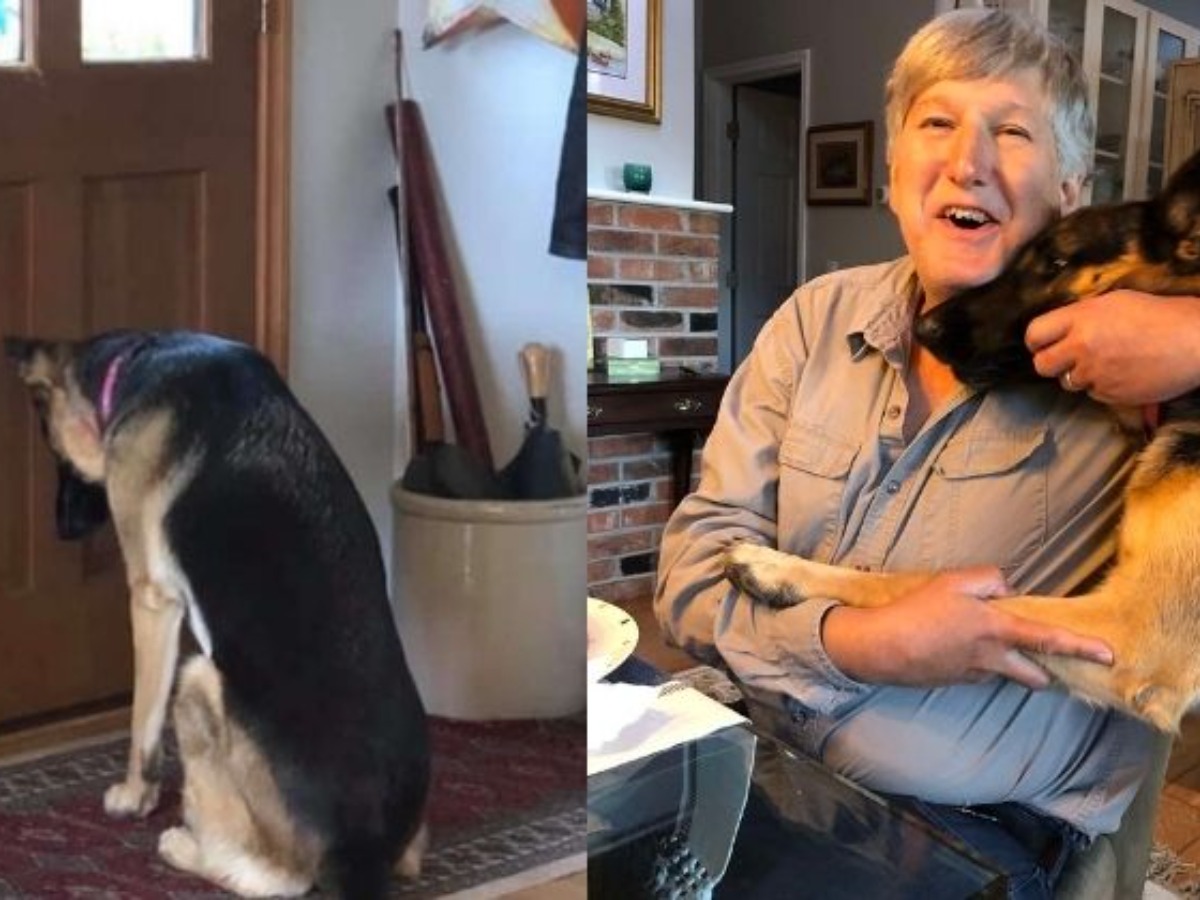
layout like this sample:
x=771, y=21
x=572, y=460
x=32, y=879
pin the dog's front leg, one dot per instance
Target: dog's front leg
x=157, y=615
x=1148, y=674
x=781, y=580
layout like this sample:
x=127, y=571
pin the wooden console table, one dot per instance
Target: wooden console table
x=676, y=405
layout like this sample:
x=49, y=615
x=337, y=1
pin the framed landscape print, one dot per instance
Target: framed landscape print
x=624, y=59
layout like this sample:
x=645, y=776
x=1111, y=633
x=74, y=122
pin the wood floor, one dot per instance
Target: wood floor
x=573, y=887
x=1178, y=825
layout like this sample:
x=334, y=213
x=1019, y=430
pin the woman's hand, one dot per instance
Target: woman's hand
x=947, y=633
x=1123, y=347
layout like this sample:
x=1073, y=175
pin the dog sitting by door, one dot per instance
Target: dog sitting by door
x=301, y=733
x=1147, y=608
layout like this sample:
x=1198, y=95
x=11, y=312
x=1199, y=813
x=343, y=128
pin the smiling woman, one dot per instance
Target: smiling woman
x=840, y=439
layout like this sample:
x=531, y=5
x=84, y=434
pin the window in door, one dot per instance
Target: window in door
x=12, y=35
x=142, y=30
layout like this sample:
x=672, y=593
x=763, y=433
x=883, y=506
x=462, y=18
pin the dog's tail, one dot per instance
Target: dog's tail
x=360, y=869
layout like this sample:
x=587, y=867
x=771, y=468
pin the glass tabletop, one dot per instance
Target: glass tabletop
x=673, y=825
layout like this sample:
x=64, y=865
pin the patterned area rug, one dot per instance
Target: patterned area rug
x=507, y=797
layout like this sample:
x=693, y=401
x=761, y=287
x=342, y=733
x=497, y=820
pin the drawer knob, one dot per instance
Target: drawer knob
x=593, y=412
x=688, y=405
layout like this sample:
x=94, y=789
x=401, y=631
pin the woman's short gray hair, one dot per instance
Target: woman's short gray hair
x=972, y=44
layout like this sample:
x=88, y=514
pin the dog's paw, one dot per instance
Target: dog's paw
x=178, y=848
x=131, y=799
x=761, y=573
x=409, y=863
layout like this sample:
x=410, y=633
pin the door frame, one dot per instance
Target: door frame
x=716, y=176
x=274, y=164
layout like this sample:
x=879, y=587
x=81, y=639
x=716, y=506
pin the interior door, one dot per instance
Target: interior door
x=127, y=198
x=1183, y=113
x=766, y=178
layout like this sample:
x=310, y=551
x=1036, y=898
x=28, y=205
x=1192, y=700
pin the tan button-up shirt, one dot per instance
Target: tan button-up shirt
x=808, y=455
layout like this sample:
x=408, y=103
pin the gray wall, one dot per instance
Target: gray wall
x=1186, y=11
x=849, y=63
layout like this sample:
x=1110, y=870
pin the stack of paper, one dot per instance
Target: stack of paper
x=663, y=717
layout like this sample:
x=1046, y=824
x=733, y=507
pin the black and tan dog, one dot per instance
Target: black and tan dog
x=1148, y=606
x=302, y=737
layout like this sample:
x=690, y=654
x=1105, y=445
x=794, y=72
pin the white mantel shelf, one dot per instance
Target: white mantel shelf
x=657, y=200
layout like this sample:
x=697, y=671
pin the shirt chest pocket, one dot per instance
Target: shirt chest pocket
x=986, y=500
x=814, y=468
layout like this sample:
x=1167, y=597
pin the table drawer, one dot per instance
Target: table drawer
x=690, y=409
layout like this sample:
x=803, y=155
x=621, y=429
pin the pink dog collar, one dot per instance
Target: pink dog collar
x=108, y=388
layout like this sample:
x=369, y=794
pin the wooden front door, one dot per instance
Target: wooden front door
x=128, y=198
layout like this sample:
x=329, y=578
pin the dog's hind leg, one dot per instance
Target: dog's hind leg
x=236, y=832
x=781, y=580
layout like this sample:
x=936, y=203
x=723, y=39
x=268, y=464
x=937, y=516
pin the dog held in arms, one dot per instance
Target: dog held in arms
x=301, y=733
x=1147, y=608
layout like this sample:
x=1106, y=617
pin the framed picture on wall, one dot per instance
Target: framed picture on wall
x=624, y=59
x=839, y=164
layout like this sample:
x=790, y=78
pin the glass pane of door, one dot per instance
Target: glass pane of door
x=1066, y=19
x=1112, y=119
x=1117, y=45
x=1113, y=105
x=1170, y=48
x=142, y=30
x=12, y=34
x=1108, y=181
x=1167, y=48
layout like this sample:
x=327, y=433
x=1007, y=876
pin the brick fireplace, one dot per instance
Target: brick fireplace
x=653, y=270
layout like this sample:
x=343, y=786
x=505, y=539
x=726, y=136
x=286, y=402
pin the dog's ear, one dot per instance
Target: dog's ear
x=20, y=350
x=80, y=507
x=1182, y=215
x=38, y=362
x=1179, y=212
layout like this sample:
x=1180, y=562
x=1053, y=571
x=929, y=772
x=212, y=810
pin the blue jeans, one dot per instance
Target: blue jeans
x=1032, y=850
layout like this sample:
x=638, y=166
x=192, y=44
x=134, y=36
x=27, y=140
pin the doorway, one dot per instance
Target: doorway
x=755, y=114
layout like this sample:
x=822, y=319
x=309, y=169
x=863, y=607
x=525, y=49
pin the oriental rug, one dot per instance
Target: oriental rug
x=508, y=797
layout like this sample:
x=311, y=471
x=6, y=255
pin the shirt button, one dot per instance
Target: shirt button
x=893, y=487
x=893, y=412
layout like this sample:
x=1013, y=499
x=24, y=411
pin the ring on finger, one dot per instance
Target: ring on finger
x=1067, y=382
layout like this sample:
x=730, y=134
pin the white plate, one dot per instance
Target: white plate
x=612, y=636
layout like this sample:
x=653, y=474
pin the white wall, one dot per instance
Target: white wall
x=669, y=146
x=345, y=357
x=494, y=106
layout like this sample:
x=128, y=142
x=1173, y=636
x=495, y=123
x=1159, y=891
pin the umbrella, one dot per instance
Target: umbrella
x=463, y=470
x=439, y=468
x=543, y=468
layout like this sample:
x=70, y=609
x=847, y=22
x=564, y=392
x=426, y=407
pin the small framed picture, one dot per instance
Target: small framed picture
x=839, y=164
x=624, y=59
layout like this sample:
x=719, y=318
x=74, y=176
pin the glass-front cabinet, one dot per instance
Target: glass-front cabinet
x=1125, y=49
x=1169, y=40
